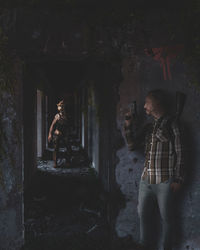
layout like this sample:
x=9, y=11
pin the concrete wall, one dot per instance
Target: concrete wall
x=39, y=35
x=39, y=123
x=140, y=74
x=30, y=126
x=11, y=164
x=93, y=129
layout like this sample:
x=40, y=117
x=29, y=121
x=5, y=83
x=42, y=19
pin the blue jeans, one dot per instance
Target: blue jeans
x=151, y=195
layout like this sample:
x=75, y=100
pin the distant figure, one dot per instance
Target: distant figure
x=59, y=131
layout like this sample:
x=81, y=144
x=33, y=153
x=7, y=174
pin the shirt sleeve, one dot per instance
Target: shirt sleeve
x=178, y=146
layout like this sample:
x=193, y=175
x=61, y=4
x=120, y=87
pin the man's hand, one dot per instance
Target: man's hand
x=129, y=121
x=175, y=186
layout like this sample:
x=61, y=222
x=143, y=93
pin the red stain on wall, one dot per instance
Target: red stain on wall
x=164, y=55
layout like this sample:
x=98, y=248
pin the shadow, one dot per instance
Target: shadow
x=65, y=210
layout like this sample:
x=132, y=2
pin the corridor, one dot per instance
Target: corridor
x=65, y=207
x=98, y=57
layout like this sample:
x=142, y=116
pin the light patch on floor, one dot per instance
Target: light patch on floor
x=47, y=166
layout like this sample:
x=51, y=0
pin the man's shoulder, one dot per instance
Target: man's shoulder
x=173, y=125
x=168, y=118
x=170, y=121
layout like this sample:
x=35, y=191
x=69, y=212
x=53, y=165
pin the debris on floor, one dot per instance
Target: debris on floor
x=65, y=211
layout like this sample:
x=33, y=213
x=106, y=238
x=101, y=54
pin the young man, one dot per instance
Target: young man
x=162, y=176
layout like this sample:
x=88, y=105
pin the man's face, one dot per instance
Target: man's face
x=149, y=106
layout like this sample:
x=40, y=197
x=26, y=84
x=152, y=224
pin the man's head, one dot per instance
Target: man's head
x=155, y=103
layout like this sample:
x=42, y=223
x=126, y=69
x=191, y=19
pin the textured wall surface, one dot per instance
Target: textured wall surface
x=42, y=35
x=146, y=74
x=11, y=167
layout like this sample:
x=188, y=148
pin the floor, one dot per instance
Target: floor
x=65, y=209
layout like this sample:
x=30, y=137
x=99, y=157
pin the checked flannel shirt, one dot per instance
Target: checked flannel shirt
x=163, y=149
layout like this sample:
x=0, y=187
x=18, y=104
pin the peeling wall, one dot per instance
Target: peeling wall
x=143, y=76
x=42, y=35
x=11, y=167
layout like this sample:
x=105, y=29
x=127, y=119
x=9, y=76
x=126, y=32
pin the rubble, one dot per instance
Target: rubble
x=63, y=210
x=77, y=158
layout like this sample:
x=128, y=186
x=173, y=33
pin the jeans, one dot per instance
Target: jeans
x=151, y=195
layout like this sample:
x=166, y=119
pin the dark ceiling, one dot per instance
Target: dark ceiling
x=63, y=76
x=102, y=4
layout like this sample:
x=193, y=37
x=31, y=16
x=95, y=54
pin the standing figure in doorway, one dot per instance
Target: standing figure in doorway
x=59, y=131
x=162, y=176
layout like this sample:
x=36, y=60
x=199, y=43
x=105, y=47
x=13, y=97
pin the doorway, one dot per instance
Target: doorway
x=75, y=192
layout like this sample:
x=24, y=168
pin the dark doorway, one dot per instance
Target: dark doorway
x=70, y=201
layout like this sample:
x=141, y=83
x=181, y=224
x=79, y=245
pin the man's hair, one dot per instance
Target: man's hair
x=159, y=97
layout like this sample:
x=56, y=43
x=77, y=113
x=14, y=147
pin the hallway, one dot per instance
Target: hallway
x=99, y=56
x=68, y=205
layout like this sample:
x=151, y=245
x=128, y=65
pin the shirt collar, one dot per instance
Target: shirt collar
x=158, y=121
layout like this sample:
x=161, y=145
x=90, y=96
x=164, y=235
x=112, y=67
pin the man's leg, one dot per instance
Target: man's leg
x=146, y=205
x=165, y=203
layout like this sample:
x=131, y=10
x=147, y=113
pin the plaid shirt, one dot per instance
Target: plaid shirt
x=163, y=150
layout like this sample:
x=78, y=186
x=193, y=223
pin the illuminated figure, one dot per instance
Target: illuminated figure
x=162, y=176
x=59, y=131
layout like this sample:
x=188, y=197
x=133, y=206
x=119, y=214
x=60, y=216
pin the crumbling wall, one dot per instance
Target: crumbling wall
x=140, y=75
x=11, y=161
x=143, y=71
x=46, y=34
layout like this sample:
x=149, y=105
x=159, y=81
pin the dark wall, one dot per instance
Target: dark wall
x=41, y=35
x=30, y=127
x=135, y=85
x=11, y=162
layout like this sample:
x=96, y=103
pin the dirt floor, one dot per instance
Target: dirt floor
x=65, y=210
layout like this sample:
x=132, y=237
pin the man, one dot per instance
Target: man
x=162, y=176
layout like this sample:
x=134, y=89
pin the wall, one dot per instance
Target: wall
x=11, y=163
x=39, y=35
x=141, y=74
x=30, y=125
